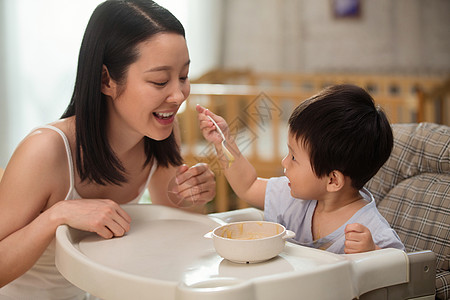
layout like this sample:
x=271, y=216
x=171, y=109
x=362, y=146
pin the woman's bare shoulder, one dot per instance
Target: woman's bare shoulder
x=44, y=144
x=42, y=154
x=36, y=174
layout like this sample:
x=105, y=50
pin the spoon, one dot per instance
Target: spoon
x=227, y=153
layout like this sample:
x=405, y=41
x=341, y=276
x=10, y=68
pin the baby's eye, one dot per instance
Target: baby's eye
x=293, y=157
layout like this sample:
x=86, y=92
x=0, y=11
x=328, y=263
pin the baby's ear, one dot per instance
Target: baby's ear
x=336, y=181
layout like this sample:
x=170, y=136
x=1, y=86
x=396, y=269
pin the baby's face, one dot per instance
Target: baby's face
x=303, y=181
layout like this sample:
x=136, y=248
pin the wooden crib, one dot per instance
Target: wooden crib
x=258, y=105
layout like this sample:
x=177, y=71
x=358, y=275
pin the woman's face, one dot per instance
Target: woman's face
x=156, y=85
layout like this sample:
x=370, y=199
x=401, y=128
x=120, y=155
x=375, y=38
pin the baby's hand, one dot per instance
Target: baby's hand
x=207, y=126
x=358, y=239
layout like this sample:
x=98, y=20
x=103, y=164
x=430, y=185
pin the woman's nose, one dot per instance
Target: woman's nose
x=179, y=93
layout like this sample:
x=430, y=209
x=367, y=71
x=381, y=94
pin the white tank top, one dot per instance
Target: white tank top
x=43, y=280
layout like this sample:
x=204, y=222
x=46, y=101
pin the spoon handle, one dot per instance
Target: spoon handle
x=217, y=127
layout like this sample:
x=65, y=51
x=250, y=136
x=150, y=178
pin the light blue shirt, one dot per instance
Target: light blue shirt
x=296, y=215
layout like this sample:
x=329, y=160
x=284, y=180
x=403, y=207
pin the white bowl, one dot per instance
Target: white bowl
x=250, y=241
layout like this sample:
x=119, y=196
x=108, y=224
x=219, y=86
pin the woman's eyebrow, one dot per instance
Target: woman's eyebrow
x=165, y=68
x=157, y=69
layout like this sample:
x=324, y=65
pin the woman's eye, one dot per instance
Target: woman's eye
x=183, y=78
x=292, y=157
x=160, y=83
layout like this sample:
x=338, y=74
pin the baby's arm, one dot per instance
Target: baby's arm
x=240, y=174
x=358, y=239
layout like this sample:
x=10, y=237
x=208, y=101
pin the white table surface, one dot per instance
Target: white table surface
x=165, y=256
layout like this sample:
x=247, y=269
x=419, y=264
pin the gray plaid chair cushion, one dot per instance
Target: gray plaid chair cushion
x=412, y=191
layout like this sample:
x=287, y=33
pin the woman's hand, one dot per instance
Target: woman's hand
x=358, y=239
x=196, y=184
x=104, y=217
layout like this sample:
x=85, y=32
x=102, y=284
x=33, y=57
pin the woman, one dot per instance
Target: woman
x=119, y=126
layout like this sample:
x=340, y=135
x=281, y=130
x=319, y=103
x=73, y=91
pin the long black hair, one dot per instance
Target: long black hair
x=343, y=129
x=114, y=30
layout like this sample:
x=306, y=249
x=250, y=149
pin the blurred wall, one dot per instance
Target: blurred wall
x=393, y=36
x=40, y=41
x=4, y=137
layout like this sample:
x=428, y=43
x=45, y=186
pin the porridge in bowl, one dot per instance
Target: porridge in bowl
x=251, y=241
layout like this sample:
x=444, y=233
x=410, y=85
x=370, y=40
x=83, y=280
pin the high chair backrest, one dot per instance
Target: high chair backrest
x=412, y=191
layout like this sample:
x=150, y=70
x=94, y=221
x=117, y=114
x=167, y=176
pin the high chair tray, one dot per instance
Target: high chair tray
x=165, y=256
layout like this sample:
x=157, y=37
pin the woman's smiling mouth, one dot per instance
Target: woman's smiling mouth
x=164, y=118
x=164, y=115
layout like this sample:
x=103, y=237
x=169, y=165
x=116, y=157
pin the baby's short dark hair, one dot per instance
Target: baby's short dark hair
x=343, y=130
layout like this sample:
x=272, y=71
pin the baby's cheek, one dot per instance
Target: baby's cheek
x=295, y=194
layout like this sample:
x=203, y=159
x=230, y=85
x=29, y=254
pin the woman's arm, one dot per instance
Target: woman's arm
x=25, y=231
x=34, y=183
x=240, y=174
